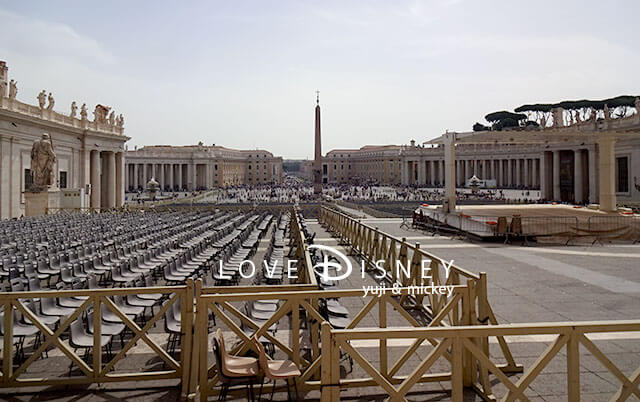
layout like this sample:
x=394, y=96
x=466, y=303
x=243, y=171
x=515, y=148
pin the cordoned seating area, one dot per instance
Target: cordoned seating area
x=232, y=305
x=126, y=275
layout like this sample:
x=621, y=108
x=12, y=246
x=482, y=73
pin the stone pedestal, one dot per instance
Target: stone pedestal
x=41, y=203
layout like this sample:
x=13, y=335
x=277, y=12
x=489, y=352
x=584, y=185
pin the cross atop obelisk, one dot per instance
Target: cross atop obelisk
x=317, y=162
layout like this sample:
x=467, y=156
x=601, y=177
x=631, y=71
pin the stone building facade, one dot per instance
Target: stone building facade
x=565, y=171
x=369, y=164
x=90, y=153
x=196, y=167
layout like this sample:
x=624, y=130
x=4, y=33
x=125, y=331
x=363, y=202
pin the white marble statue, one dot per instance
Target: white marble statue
x=112, y=118
x=51, y=102
x=74, y=109
x=83, y=111
x=13, y=89
x=100, y=114
x=558, y=117
x=42, y=98
x=42, y=161
x=3, y=89
x=120, y=121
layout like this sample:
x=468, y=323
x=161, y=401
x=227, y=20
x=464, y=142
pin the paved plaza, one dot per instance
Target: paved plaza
x=525, y=283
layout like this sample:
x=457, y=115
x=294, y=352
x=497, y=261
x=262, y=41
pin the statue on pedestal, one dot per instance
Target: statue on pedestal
x=112, y=118
x=13, y=89
x=120, y=121
x=51, y=102
x=74, y=109
x=83, y=111
x=42, y=161
x=42, y=98
x=558, y=117
x=100, y=114
x=3, y=89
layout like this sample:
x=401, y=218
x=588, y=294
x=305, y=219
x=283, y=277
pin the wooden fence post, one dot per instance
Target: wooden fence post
x=196, y=359
x=186, y=325
x=325, y=376
x=573, y=366
x=457, y=391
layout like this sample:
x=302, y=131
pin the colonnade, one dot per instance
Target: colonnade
x=174, y=176
x=537, y=172
x=106, y=178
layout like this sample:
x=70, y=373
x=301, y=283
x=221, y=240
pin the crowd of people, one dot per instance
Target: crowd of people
x=294, y=190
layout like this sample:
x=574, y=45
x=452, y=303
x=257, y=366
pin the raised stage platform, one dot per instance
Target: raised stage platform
x=530, y=221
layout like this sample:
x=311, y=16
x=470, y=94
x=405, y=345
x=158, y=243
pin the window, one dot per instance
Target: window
x=28, y=180
x=63, y=179
x=622, y=174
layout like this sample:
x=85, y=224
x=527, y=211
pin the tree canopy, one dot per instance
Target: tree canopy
x=502, y=115
x=618, y=101
x=538, y=107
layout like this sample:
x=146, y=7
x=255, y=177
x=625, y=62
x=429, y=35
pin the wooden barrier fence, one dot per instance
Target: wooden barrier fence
x=95, y=370
x=374, y=245
x=303, y=309
x=455, y=342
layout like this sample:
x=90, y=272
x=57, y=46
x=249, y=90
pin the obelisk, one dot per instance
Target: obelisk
x=317, y=162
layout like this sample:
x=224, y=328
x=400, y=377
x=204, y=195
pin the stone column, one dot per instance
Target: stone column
x=110, y=190
x=6, y=195
x=144, y=176
x=526, y=180
x=556, y=175
x=545, y=194
x=467, y=172
x=534, y=172
x=449, y=161
x=500, y=173
x=494, y=170
x=593, y=183
x=170, y=182
x=422, y=174
x=441, y=172
x=135, y=177
x=578, y=177
x=607, y=182
x=194, y=176
x=485, y=170
x=163, y=182
x=179, y=174
x=209, y=183
x=127, y=175
x=95, y=179
x=432, y=168
x=85, y=165
x=120, y=179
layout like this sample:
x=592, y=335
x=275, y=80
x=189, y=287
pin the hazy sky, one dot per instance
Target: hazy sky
x=244, y=73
